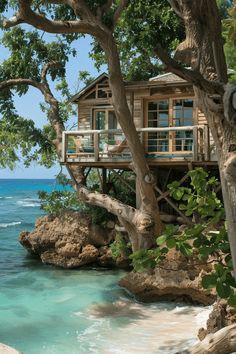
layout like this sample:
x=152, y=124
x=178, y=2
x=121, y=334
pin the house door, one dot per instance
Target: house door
x=169, y=113
x=105, y=119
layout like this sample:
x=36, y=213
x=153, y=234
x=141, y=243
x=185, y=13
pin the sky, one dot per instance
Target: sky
x=28, y=106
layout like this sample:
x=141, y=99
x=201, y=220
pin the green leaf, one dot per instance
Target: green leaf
x=186, y=249
x=223, y=290
x=171, y=243
x=161, y=240
x=232, y=300
x=209, y=281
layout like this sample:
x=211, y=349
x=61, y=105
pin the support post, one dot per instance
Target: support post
x=64, y=147
x=195, y=143
x=206, y=143
x=104, y=181
x=96, y=147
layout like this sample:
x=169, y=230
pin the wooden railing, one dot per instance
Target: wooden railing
x=190, y=142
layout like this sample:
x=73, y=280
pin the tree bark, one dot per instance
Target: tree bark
x=221, y=342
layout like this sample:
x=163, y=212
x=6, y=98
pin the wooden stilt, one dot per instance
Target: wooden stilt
x=123, y=181
x=104, y=181
x=166, y=193
x=172, y=204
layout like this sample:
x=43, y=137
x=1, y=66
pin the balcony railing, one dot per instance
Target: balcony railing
x=170, y=143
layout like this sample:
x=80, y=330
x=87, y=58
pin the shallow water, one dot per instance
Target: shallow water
x=46, y=310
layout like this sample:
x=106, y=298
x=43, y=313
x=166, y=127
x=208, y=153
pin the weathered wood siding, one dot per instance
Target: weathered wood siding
x=84, y=116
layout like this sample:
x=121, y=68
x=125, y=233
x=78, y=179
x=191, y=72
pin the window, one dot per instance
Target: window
x=158, y=117
x=170, y=113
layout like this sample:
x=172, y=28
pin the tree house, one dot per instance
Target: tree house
x=174, y=131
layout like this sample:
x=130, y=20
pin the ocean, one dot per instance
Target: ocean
x=48, y=310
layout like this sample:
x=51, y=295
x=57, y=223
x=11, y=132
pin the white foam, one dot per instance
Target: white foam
x=27, y=203
x=10, y=224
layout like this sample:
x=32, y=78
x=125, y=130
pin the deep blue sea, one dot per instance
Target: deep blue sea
x=47, y=310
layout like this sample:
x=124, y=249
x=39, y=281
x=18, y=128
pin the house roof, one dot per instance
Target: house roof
x=88, y=87
x=167, y=77
x=163, y=79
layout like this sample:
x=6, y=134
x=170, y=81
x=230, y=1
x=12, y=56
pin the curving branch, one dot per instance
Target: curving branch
x=121, y=7
x=43, y=87
x=175, y=6
x=39, y=21
x=189, y=75
x=52, y=64
x=101, y=10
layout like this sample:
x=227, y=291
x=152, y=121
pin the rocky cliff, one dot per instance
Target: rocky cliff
x=70, y=240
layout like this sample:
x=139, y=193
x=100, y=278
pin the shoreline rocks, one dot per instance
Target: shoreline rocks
x=222, y=315
x=178, y=279
x=70, y=240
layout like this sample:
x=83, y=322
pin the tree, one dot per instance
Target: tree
x=98, y=19
x=202, y=50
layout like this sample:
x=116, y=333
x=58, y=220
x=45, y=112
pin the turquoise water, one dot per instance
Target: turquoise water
x=46, y=310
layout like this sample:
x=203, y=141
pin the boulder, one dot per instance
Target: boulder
x=70, y=240
x=222, y=315
x=178, y=278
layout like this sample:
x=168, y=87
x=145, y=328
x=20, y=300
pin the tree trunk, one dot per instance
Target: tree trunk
x=144, y=178
x=221, y=342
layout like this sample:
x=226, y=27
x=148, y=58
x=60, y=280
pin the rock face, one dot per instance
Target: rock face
x=221, y=316
x=177, y=279
x=70, y=241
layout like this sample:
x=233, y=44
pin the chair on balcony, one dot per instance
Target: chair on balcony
x=120, y=149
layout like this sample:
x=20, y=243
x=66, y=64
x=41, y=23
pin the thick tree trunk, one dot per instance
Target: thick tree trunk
x=144, y=178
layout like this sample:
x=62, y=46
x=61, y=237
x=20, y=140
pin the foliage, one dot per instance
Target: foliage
x=120, y=248
x=136, y=34
x=208, y=237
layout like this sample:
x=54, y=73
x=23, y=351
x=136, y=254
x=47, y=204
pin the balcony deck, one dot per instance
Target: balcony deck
x=170, y=146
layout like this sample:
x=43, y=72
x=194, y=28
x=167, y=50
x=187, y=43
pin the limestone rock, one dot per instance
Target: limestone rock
x=69, y=241
x=222, y=315
x=177, y=279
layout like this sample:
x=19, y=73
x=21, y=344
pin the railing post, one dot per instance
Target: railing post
x=195, y=143
x=64, y=147
x=96, y=146
x=206, y=142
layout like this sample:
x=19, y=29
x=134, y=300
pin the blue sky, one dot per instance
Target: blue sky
x=28, y=106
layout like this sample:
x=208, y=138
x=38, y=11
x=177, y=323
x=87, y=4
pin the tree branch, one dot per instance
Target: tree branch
x=26, y=15
x=122, y=5
x=175, y=6
x=104, y=8
x=53, y=114
x=188, y=74
x=52, y=64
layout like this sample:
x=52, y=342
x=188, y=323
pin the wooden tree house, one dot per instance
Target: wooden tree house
x=170, y=124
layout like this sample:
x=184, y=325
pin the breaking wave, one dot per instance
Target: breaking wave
x=4, y=225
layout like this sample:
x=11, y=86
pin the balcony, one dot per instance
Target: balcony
x=188, y=143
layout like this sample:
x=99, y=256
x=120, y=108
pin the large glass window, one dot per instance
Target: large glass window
x=170, y=113
x=183, y=116
x=182, y=112
x=158, y=117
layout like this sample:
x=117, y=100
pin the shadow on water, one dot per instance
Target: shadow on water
x=121, y=308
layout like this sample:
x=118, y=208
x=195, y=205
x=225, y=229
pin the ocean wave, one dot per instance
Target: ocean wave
x=29, y=203
x=10, y=224
x=6, y=197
